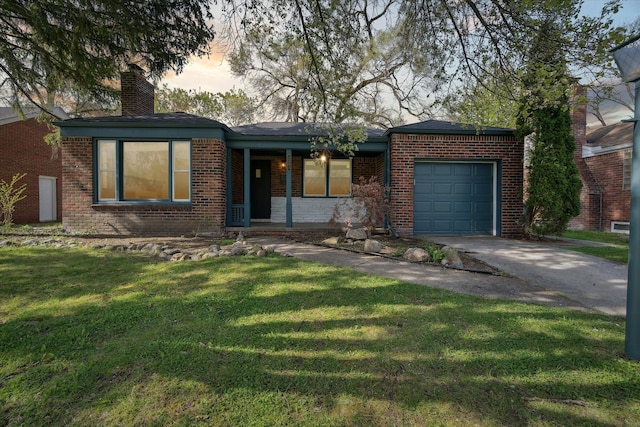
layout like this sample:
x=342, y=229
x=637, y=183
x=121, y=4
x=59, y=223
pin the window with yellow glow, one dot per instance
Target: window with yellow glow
x=331, y=177
x=106, y=170
x=149, y=171
x=340, y=178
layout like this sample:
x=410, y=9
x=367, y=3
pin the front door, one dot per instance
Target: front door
x=260, y=189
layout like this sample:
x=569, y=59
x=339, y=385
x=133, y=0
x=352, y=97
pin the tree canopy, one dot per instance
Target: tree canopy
x=50, y=45
x=232, y=108
x=370, y=60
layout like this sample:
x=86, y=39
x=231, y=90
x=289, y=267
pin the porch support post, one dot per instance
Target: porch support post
x=247, y=187
x=229, y=216
x=289, y=205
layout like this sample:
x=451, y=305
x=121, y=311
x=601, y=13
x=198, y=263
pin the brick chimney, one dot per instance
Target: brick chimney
x=579, y=118
x=136, y=93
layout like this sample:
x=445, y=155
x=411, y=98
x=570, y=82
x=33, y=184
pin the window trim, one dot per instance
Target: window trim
x=327, y=179
x=119, y=172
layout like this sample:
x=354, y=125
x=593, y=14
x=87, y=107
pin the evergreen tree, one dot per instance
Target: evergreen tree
x=553, y=187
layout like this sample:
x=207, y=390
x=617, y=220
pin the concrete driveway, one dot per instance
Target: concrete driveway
x=593, y=282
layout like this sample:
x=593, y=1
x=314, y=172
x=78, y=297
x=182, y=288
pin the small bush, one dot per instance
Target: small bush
x=10, y=195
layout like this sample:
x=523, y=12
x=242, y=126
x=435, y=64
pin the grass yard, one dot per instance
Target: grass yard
x=618, y=249
x=91, y=337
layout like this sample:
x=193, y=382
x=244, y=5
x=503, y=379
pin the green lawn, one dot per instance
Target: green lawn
x=617, y=249
x=92, y=337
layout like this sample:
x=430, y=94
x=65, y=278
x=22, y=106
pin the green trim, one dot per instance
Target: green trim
x=295, y=144
x=120, y=176
x=139, y=132
x=470, y=131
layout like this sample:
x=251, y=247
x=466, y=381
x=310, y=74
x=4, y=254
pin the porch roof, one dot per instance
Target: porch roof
x=282, y=135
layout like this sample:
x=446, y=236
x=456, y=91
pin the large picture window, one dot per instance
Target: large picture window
x=144, y=171
x=331, y=178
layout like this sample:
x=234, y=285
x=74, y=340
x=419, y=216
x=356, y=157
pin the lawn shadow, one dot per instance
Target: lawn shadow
x=248, y=327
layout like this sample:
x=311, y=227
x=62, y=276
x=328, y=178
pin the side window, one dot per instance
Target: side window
x=106, y=170
x=626, y=170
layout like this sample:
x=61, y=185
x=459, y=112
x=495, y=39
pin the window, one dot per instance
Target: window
x=626, y=170
x=136, y=170
x=332, y=178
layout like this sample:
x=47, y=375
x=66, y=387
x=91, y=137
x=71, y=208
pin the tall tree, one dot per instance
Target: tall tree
x=553, y=182
x=232, y=108
x=359, y=57
x=49, y=44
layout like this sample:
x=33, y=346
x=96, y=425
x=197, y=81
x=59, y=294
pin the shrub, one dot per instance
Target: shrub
x=371, y=205
x=10, y=195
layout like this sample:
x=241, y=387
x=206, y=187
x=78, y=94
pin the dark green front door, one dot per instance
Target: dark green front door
x=260, y=189
x=453, y=198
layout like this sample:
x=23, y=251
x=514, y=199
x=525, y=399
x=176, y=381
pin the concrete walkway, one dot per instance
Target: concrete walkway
x=491, y=286
x=591, y=281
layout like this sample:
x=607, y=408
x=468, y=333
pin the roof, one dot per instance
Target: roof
x=10, y=115
x=182, y=120
x=304, y=129
x=618, y=134
x=443, y=127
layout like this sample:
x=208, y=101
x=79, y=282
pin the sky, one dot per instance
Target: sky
x=212, y=73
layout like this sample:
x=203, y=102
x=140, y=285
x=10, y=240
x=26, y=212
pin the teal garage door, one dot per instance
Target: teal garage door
x=453, y=198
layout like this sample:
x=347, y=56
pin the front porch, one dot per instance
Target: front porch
x=274, y=185
x=269, y=227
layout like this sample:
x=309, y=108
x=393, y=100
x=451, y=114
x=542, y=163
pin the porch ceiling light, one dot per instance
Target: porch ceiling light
x=627, y=56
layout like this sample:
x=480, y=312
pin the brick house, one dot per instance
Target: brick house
x=178, y=173
x=24, y=151
x=603, y=157
x=606, y=153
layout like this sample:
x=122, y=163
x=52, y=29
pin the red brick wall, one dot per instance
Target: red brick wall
x=591, y=193
x=406, y=148
x=616, y=202
x=137, y=94
x=206, y=213
x=24, y=151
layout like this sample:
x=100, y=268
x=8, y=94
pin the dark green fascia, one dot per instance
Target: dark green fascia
x=132, y=132
x=470, y=131
x=295, y=143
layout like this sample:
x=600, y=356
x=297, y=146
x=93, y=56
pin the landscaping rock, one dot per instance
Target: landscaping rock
x=210, y=255
x=357, y=234
x=416, y=255
x=332, y=241
x=451, y=258
x=371, y=245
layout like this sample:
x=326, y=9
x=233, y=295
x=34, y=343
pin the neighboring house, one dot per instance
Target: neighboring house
x=603, y=157
x=178, y=173
x=24, y=151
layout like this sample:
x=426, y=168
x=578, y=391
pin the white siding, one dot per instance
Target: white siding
x=308, y=209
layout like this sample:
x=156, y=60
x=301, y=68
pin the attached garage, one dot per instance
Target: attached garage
x=451, y=179
x=455, y=198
